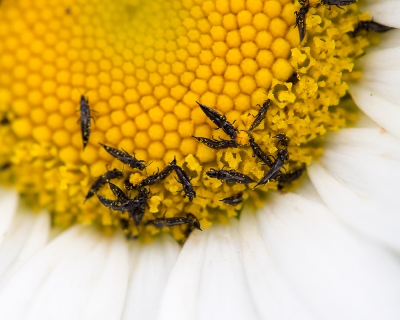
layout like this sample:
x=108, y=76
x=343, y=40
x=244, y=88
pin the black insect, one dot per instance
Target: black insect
x=85, y=120
x=234, y=200
x=116, y=205
x=291, y=176
x=118, y=193
x=257, y=152
x=293, y=78
x=137, y=206
x=101, y=181
x=283, y=139
x=301, y=19
x=184, y=180
x=219, y=120
x=261, y=114
x=274, y=171
x=158, y=177
x=337, y=3
x=190, y=219
x=124, y=157
x=370, y=26
x=230, y=176
x=217, y=144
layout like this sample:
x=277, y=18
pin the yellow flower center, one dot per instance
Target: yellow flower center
x=143, y=65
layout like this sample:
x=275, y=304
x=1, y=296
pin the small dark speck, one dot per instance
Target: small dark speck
x=5, y=166
x=4, y=121
x=67, y=10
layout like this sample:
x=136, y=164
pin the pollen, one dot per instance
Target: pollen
x=142, y=65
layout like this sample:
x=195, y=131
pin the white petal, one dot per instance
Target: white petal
x=28, y=233
x=388, y=40
x=271, y=293
x=223, y=290
x=8, y=205
x=365, y=122
x=110, y=284
x=81, y=274
x=308, y=191
x=151, y=267
x=386, y=12
x=359, y=180
x=336, y=273
x=180, y=297
x=208, y=280
x=377, y=93
x=380, y=109
x=37, y=237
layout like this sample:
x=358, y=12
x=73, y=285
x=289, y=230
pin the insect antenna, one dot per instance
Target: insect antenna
x=84, y=93
x=157, y=217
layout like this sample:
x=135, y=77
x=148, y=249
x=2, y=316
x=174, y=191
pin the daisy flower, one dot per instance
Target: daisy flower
x=317, y=245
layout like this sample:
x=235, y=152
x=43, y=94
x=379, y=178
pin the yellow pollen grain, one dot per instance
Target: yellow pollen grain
x=143, y=65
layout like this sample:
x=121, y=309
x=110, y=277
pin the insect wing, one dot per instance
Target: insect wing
x=212, y=114
x=114, y=152
x=165, y=173
x=272, y=173
x=217, y=144
x=233, y=176
x=111, y=204
x=234, y=200
x=118, y=193
x=115, y=173
x=219, y=120
x=291, y=176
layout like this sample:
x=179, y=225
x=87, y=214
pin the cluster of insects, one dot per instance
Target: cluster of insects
x=362, y=25
x=136, y=206
x=232, y=176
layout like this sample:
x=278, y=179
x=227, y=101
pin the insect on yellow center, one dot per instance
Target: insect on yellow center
x=143, y=66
